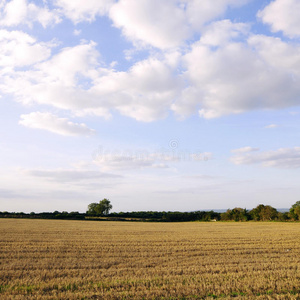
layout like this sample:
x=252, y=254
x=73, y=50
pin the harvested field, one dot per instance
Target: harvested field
x=51, y=259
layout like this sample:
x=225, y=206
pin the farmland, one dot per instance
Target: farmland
x=54, y=259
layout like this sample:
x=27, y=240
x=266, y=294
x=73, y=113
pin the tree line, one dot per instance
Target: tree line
x=101, y=211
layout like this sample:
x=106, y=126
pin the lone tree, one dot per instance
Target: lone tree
x=99, y=209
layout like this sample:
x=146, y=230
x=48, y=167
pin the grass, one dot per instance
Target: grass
x=52, y=259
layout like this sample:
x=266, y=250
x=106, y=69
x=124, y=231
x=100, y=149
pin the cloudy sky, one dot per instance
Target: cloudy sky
x=157, y=105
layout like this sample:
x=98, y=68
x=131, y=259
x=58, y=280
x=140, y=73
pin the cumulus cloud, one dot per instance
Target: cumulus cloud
x=277, y=54
x=145, y=92
x=69, y=64
x=245, y=150
x=149, y=22
x=232, y=75
x=200, y=12
x=16, y=12
x=282, y=15
x=62, y=81
x=146, y=22
x=78, y=12
x=227, y=71
x=18, y=49
x=221, y=32
x=74, y=80
x=52, y=123
x=282, y=158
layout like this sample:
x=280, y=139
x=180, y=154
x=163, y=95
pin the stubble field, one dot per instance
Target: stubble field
x=51, y=259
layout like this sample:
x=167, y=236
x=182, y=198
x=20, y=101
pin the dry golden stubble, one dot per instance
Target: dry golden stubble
x=51, y=259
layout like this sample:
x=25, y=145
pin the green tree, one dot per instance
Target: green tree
x=255, y=212
x=283, y=216
x=99, y=209
x=236, y=214
x=92, y=209
x=269, y=213
x=264, y=213
x=104, y=207
x=295, y=211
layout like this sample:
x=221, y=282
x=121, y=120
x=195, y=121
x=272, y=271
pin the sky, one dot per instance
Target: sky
x=174, y=105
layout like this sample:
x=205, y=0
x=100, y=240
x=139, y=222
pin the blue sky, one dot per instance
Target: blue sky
x=157, y=105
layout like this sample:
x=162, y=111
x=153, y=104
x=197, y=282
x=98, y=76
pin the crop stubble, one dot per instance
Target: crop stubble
x=53, y=259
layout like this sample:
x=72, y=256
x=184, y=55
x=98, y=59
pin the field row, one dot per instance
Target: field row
x=53, y=259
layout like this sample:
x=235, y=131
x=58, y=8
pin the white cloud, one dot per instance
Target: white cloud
x=271, y=126
x=228, y=71
x=66, y=176
x=74, y=80
x=52, y=123
x=69, y=64
x=147, y=22
x=77, y=32
x=282, y=158
x=222, y=32
x=244, y=150
x=145, y=92
x=18, y=49
x=282, y=15
x=87, y=11
x=277, y=53
x=150, y=22
x=165, y=24
x=234, y=75
x=62, y=81
x=16, y=12
x=199, y=12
